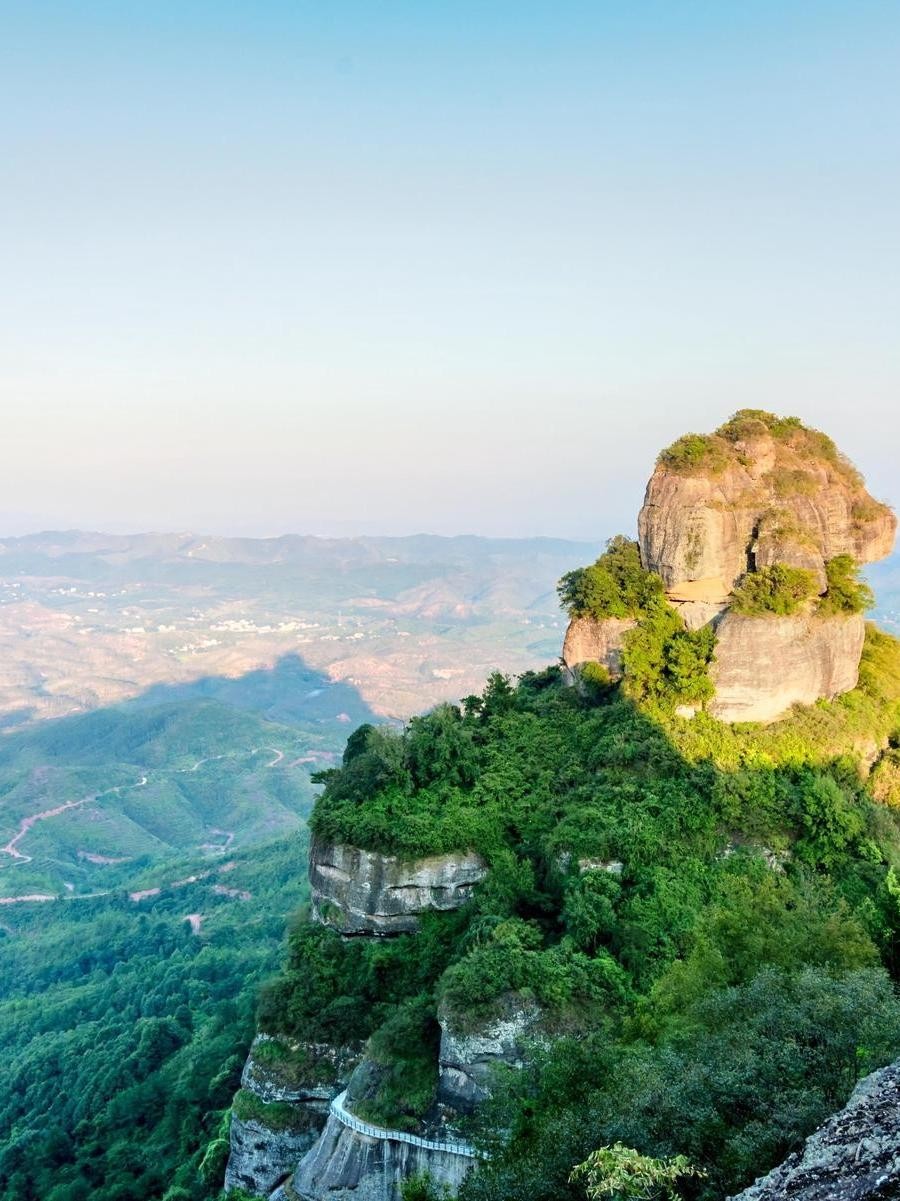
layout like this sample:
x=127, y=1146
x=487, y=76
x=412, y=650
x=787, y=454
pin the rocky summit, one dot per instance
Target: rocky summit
x=752, y=531
x=761, y=490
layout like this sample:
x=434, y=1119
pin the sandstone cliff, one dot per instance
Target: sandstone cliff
x=286, y=1090
x=727, y=516
x=759, y=491
x=591, y=641
x=347, y=1165
x=363, y=892
x=855, y=1156
x=764, y=665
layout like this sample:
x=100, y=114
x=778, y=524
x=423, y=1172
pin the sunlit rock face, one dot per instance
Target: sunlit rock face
x=363, y=892
x=766, y=664
x=589, y=640
x=764, y=500
x=855, y=1156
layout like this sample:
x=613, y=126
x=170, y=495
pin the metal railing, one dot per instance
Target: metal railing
x=344, y=1116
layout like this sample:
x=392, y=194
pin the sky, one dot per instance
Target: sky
x=385, y=267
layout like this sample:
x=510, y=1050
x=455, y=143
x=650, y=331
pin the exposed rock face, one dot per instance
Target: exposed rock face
x=295, y=1082
x=767, y=500
x=589, y=640
x=363, y=892
x=261, y=1157
x=467, y=1058
x=345, y=1165
x=298, y=1072
x=766, y=664
x=855, y=1156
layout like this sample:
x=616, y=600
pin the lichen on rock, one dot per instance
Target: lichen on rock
x=854, y=1156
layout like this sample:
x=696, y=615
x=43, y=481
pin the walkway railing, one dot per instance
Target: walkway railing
x=397, y=1136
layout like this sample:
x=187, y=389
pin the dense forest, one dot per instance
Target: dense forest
x=123, y=1031
x=707, y=917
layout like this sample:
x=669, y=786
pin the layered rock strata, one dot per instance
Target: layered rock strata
x=363, y=892
x=855, y=1156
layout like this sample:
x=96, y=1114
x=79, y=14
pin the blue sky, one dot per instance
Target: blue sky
x=450, y=267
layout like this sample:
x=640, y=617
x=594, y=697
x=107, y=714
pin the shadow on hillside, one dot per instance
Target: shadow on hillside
x=291, y=693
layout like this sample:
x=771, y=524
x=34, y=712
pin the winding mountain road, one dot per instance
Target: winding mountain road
x=11, y=848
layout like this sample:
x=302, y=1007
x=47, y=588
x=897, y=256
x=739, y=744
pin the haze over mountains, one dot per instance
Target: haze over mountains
x=88, y=619
x=166, y=697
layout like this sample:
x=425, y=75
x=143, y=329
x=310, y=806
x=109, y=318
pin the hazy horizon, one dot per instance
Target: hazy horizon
x=391, y=269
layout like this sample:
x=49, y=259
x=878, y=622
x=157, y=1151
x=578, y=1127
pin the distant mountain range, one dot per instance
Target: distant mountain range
x=87, y=619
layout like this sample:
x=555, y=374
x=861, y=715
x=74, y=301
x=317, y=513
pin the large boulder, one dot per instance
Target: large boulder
x=468, y=1056
x=596, y=640
x=364, y=892
x=855, y=1156
x=764, y=665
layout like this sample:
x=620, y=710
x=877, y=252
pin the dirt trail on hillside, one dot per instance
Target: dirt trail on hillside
x=11, y=848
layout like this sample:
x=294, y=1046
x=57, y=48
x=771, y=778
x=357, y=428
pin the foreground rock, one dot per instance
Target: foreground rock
x=855, y=1156
x=766, y=664
x=363, y=892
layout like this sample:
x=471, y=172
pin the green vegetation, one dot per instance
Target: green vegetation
x=615, y=586
x=402, y=1057
x=123, y=1033
x=793, y=481
x=797, y=445
x=512, y=959
x=752, y=423
x=847, y=593
x=704, y=918
x=274, y=1115
x=777, y=590
x=695, y=453
x=619, y=1171
x=665, y=664
x=780, y=590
